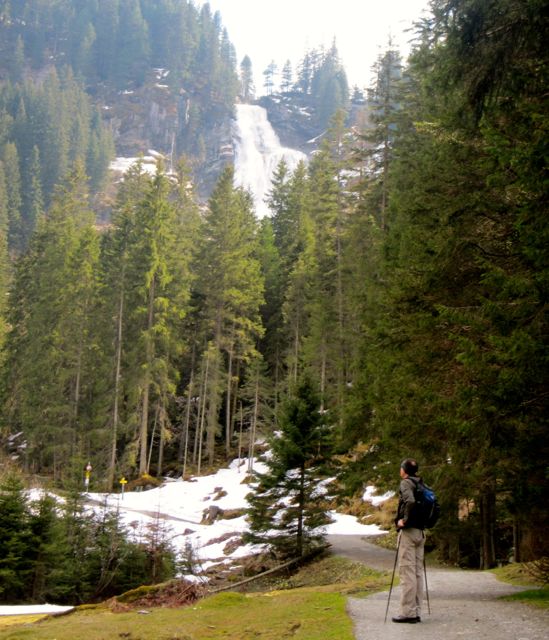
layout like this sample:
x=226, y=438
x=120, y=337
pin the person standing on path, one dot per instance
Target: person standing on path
x=411, y=546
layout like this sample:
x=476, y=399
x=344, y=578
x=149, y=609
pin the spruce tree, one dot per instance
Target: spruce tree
x=247, y=89
x=51, y=330
x=14, y=538
x=286, y=509
x=33, y=202
x=161, y=276
x=118, y=299
x=12, y=174
x=5, y=266
x=49, y=553
x=231, y=288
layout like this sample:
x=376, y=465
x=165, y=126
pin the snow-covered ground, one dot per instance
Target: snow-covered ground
x=182, y=503
x=121, y=164
x=32, y=609
x=179, y=505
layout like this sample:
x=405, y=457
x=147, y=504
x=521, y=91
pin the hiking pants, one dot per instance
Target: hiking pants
x=410, y=568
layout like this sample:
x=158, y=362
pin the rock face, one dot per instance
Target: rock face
x=154, y=116
x=293, y=119
x=143, y=118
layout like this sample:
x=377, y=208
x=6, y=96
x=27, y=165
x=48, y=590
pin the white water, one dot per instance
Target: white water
x=257, y=154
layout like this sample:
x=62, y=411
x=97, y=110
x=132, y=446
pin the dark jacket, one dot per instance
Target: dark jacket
x=407, y=503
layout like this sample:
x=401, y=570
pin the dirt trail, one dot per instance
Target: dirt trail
x=464, y=604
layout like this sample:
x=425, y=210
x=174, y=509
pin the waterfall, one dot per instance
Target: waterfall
x=257, y=154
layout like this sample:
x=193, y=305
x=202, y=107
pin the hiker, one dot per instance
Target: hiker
x=411, y=543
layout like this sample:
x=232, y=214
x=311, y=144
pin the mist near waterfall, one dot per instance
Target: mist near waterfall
x=257, y=154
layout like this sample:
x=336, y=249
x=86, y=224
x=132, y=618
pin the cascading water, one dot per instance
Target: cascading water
x=257, y=154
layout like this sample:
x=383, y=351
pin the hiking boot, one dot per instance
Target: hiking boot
x=405, y=619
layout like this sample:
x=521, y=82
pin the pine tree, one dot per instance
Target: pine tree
x=14, y=538
x=285, y=506
x=453, y=293
x=51, y=329
x=231, y=288
x=10, y=160
x=132, y=44
x=5, y=270
x=269, y=74
x=33, y=202
x=383, y=105
x=324, y=348
x=287, y=77
x=247, y=89
x=329, y=87
x=161, y=276
x=118, y=298
x=54, y=147
x=49, y=552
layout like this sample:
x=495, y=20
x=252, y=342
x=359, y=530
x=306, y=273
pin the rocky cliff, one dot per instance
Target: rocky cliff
x=293, y=119
x=156, y=117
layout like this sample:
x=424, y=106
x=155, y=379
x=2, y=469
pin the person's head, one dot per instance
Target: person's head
x=409, y=467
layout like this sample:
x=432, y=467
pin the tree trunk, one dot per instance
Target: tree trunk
x=301, y=508
x=322, y=375
x=144, y=430
x=118, y=364
x=240, y=437
x=296, y=348
x=213, y=407
x=77, y=384
x=235, y=397
x=184, y=443
x=517, y=552
x=253, y=429
x=228, y=403
x=162, y=439
x=487, y=523
x=153, y=435
x=203, y=414
x=201, y=405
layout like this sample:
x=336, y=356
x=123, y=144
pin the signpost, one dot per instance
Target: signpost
x=123, y=483
x=88, y=471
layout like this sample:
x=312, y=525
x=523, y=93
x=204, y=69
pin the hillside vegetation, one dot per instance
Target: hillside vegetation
x=393, y=305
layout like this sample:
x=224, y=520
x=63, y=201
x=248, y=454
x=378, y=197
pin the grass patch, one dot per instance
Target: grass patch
x=520, y=574
x=341, y=573
x=535, y=597
x=309, y=605
x=517, y=573
x=9, y=621
x=302, y=614
x=330, y=571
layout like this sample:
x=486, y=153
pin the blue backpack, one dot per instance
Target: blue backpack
x=427, y=509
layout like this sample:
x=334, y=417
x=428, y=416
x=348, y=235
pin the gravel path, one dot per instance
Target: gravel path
x=464, y=604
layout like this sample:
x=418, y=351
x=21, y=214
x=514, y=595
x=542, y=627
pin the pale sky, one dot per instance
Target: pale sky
x=280, y=30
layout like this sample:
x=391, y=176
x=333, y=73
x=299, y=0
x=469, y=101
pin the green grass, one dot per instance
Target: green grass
x=535, y=597
x=517, y=573
x=520, y=574
x=310, y=605
x=302, y=614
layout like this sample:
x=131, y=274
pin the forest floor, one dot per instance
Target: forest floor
x=464, y=604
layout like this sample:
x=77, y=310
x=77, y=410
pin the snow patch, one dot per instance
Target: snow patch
x=33, y=609
x=369, y=496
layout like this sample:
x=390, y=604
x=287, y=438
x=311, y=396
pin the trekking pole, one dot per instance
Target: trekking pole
x=426, y=587
x=392, y=578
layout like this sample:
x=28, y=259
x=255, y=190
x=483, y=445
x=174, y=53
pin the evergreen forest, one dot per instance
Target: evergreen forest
x=397, y=295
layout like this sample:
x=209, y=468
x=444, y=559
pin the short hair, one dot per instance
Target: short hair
x=410, y=466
